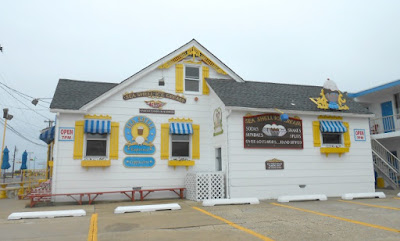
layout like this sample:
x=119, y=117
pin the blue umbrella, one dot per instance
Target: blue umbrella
x=24, y=159
x=5, y=164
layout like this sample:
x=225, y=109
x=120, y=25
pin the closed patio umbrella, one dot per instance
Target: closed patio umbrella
x=24, y=160
x=5, y=165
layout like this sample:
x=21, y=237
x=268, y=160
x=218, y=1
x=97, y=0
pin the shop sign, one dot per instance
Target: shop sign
x=154, y=94
x=359, y=135
x=157, y=111
x=269, y=131
x=218, y=122
x=140, y=132
x=156, y=104
x=133, y=161
x=66, y=134
x=274, y=164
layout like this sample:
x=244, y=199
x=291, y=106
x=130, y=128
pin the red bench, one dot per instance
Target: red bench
x=78, y=197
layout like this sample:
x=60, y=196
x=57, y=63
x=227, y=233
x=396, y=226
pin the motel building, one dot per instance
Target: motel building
x=188, y=120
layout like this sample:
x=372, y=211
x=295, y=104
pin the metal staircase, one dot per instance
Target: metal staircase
x=386, y=164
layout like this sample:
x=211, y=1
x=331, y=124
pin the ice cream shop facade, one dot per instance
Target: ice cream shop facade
x=189, y=113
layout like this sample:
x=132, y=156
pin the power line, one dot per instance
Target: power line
x=19, y=134
x=23, y=103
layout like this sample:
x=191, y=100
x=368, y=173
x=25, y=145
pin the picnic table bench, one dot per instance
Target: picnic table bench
x=78, y=197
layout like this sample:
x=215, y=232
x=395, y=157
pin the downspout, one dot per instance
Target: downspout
x=55, y=157
x=228, y=193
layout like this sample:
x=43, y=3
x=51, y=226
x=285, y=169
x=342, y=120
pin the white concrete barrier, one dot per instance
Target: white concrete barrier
x=313, y=197
x=48, y=214
x=213, y=202
x=351, y=196
x=398, y=194
x=147, y=208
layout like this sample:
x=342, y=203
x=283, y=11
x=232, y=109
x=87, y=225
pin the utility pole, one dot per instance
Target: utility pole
x=50, y=122
x=15, y=150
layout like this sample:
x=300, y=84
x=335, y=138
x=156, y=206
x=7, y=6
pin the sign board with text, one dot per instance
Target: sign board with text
x=66, y=134
x=269, y=131
x=359, y=135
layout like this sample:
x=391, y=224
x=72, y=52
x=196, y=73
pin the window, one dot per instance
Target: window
x=397, y=104
x=180, y=146
x=96, y=145
x=332, y=138
x=218, y=160
x=192, y=79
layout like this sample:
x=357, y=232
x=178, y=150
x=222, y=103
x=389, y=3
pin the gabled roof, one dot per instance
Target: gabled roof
x=267, y=95
x=73, y=94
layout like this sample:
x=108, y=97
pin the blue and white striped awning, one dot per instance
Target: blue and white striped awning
x=47, y=135
x=97, y=126
x=180, y=128
x=332, y=126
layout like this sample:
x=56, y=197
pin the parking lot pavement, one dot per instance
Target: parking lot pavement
x=361, y=219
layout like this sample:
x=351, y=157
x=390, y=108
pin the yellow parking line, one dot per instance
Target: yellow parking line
x=396, y=197
x=92, y=236
x=339, y=218
x=371, y=205
x=262, y=237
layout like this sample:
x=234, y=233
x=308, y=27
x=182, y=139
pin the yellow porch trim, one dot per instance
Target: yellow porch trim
x=180, y=120
x=103, y=117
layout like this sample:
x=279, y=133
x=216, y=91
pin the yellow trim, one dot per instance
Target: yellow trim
x=206, y=73
x=192, y=62
x=175, y=163
x=164, y=141
x=316, y=134
x=346, y=135
x=330, y=150
x=329, y=117
x=92, y=236
x=114, y=135
x=103, y=117
x=196, y=142
x=194, y=52
x=370, y=205
x=262, y=237
x=51, y=164
x=180, y=120
x=96, y=163
x=79, y=138
x=339, y=218
x=179, y=78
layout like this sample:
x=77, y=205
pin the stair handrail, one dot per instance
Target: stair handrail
x=374, y=141
x=383, y=160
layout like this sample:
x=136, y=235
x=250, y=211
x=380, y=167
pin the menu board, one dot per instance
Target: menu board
x=269, y=131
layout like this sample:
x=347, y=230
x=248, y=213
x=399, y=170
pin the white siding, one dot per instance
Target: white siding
x=332, y=175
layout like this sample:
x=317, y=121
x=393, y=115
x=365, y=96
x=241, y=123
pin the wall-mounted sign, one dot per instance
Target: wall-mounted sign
x=359, y=135
x=66, y=133
x=134, y=161
x=218, y=122
x=157, y=104
x=269, y=131
x=154, y=94
x=274, y=164
x=157, y=111
x=330, y=97
x=140, y=132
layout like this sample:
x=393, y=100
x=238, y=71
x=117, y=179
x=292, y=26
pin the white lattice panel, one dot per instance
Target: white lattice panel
x=205, y=185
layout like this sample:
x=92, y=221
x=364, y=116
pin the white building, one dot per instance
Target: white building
x=384, y=102
x=189, y=112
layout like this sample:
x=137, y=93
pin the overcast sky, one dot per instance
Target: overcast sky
x=355, y=43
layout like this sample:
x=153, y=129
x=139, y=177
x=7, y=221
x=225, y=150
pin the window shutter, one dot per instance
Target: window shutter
x=346, y=135
x=179, y=78
x=206, y=90
x=164, y=141
x=196, y=142
x=114, y=135
x=78, y=143
x=316, y=133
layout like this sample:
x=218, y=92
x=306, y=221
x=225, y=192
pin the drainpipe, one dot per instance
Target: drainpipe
x=228, y=193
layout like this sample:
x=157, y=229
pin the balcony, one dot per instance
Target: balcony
x=388, y=125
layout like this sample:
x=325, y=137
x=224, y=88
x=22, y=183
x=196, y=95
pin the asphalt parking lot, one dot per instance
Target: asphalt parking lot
x=335, y=219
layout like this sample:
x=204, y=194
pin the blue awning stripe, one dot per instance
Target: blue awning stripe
x=98, y=126
x=48, y=135
x=332, y=126
x=180, y=128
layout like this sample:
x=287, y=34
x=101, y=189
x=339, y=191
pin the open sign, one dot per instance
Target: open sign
x=359, y=135
x=66, y=134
